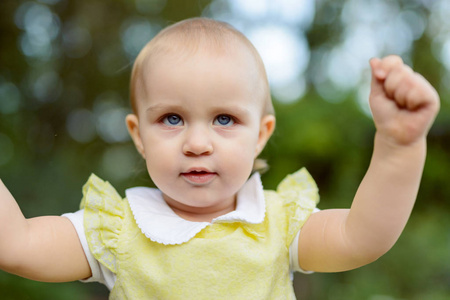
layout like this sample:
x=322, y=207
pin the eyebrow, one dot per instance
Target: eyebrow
x=232, y=109
x=165, y=107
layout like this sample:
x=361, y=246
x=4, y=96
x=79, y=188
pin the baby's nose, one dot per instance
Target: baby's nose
x=198, y=141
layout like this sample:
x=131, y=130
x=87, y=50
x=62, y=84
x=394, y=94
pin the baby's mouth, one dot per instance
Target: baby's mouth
x=198, y=177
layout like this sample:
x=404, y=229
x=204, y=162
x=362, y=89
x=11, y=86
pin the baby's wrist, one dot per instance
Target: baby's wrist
x=399, y=142
x=388, y=146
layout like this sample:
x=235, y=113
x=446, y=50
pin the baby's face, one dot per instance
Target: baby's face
x=200, y=128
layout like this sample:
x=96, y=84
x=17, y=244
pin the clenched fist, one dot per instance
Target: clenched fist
x=403, y=103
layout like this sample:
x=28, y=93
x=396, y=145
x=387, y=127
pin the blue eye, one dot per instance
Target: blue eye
x=224, y=120
x=172, y=120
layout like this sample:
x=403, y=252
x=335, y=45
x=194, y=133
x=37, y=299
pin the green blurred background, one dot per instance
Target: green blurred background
x=64, y=72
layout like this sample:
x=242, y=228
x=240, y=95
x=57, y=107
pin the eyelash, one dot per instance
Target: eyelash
x=231, y=120
x=165, y=120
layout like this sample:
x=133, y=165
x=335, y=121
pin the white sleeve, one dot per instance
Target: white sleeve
x=99, y=272
x=293, y=253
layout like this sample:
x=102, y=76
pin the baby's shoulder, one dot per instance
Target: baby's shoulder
x=298, y=187
x=104, y=214
x=293, y=201
x=100, y=194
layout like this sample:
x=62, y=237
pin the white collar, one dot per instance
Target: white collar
x=161, y=224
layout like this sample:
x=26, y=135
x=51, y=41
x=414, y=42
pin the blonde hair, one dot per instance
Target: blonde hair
x=187, y=37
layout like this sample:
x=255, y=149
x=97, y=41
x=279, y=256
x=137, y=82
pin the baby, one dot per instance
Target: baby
x=202, y=113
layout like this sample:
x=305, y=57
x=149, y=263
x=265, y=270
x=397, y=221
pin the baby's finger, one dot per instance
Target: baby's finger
x=376, y=85
x=387, y=64
x=410, y=90
x=423, y=93
x=377, y=72
x=398, y=82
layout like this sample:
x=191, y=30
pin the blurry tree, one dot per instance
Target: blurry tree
x=64, y=72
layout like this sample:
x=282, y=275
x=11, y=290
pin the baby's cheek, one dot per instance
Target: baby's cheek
x=158, y=167
x=241, y=161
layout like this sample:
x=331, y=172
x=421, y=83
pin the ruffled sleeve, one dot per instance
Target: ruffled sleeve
x=300, y=195
x=103, y=215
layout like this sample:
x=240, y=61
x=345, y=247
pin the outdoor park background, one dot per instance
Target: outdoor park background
x=64, y=72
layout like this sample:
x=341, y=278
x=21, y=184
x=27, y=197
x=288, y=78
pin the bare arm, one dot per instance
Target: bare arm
x=404, y=106
x=43, y=248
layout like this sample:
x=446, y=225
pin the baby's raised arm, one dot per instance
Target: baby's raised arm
x=404, y=106
x=43, y=248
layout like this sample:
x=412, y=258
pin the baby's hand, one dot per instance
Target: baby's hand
x=403, y=103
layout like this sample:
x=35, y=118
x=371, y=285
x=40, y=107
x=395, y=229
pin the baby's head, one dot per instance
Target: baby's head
x=198, y=36
x=202, y=112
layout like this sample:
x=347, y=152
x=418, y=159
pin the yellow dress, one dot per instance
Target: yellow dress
x=223, y=261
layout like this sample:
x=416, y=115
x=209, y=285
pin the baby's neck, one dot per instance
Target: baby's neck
x=201, y=215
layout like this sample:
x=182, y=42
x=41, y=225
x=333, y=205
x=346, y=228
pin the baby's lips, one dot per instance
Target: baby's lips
x=198, y=170
x=199, y=177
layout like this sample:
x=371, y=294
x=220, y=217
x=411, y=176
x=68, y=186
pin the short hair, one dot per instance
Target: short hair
x=188, y=36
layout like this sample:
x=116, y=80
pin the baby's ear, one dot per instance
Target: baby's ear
x=266, y=128
x=132, y=122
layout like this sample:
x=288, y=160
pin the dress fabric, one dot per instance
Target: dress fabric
x=227, y=259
